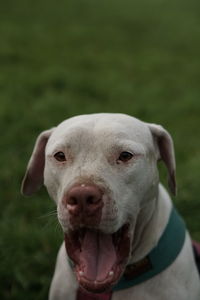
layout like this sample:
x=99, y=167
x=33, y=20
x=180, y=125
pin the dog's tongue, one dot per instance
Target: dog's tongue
x=97, y=255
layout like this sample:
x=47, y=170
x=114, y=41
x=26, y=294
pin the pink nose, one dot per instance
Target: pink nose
x=84, y=199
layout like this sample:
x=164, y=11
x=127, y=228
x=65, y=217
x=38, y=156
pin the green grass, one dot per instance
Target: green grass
x=62, y=58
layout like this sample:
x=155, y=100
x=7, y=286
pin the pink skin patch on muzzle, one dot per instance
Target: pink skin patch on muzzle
x=84, y=204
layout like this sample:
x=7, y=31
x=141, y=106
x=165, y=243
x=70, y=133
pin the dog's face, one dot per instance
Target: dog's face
x=101, y=170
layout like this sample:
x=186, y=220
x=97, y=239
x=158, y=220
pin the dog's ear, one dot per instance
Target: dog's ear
x=33, y=178
x=165, y=147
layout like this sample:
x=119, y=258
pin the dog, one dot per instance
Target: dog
x=123, y=237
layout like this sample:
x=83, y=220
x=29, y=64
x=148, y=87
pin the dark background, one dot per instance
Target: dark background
x=63, y=58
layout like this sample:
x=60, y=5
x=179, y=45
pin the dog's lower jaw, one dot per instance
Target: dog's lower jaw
x=98, y=259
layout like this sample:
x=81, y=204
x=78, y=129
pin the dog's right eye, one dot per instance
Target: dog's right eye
x=60, y=156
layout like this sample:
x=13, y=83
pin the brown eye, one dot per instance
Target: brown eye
x=60, y=156
x=125, y=156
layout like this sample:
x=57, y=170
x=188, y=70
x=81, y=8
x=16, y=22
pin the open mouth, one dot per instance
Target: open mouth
x=99, y=258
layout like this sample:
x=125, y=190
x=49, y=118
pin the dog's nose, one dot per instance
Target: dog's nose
x=84, y=199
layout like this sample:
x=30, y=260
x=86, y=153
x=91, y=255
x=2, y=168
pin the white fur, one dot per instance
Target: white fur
x=92, y=144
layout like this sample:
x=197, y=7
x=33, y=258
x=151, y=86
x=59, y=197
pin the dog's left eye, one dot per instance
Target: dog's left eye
x=60, y=156
x=125, y=156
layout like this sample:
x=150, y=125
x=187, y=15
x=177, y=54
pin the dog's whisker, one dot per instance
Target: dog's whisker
x=49, y=214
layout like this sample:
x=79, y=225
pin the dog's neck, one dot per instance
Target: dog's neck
x=148, y=234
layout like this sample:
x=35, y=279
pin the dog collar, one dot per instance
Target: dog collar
x=159, y=258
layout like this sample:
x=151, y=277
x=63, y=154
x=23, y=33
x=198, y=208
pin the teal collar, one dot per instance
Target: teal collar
x=160, y=257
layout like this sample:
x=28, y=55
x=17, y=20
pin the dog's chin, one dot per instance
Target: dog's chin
x=98, y=258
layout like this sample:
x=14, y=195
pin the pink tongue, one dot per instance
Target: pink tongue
x=97, y=255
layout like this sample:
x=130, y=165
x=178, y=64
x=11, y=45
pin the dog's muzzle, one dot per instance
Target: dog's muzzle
x=98, y=258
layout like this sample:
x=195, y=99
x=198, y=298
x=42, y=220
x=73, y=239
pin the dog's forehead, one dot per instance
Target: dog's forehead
x=103, y=126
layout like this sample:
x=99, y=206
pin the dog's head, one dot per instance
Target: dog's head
x=101, y=170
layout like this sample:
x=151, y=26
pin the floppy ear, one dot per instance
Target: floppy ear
x=166, y=152
x=33, y=178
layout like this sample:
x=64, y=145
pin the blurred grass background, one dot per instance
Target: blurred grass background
x=62, y=58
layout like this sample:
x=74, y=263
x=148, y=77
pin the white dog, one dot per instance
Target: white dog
x=122, y=235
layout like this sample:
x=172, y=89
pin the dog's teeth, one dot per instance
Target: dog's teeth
x=111, y=273
x=81, y=273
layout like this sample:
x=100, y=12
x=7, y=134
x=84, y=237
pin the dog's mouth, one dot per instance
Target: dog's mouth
x=99, y=259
